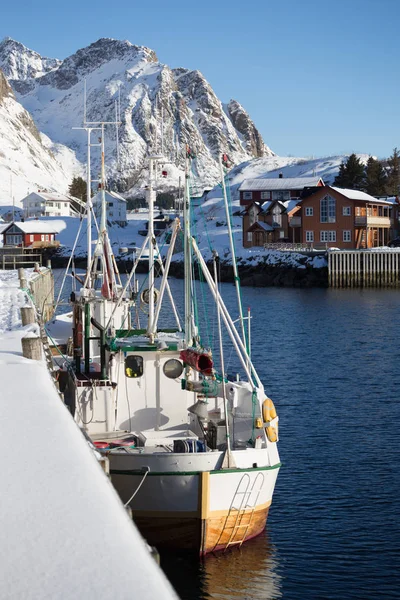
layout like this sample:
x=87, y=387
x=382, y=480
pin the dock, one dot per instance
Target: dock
x=375, y=268
x=65, y=532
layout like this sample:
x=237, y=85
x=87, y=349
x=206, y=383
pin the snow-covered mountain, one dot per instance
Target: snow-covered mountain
x=28, y=160
x=160, y=108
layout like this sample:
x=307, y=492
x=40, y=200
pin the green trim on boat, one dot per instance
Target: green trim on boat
x=180, y=473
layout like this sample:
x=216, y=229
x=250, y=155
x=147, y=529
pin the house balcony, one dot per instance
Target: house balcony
x=371, y=221
x=39, y=244
x=295, y=222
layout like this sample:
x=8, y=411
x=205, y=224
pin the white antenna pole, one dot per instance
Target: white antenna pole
x=89, y=208
x=12, y=197
x=103, y=220
x=162, y=130
x=116, y=129
x=84, y=103
x=156, y=140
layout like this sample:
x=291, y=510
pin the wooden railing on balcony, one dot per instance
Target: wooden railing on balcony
x=372, y=221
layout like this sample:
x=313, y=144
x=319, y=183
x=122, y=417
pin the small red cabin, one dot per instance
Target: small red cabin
x=36, y=234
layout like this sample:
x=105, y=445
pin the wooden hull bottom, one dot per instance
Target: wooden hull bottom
x=201, y=536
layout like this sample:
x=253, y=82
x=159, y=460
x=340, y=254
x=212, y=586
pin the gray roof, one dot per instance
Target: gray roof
x=288, y=183
x=263, y=225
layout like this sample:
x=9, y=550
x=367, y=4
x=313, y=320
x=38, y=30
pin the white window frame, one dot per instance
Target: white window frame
x=47, y=237
x=249, y=236
x=328, y=210
x=31, y=237
x=328, y=235
x=347, y=235
x=309, y=236
x=265, y=195
x=346, y=211
x=309, y=211
x=247, y=195
x=42, y=237
x=281, y=195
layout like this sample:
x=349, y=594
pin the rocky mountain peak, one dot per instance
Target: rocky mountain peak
x=160, y=108
x=245, y=126
x=20, y=63
x=87, y=60
x=5, y=88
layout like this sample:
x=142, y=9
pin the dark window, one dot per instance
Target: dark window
x=134, y=366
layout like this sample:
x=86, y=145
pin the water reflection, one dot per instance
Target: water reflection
x=247, y=573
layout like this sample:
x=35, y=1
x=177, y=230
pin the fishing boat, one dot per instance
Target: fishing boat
x=192, y=452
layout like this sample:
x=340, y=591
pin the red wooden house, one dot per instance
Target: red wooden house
x=35, y=234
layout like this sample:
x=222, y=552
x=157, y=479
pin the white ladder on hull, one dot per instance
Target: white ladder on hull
x=243, y=504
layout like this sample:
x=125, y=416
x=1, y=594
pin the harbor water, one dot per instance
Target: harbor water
x=329, y=359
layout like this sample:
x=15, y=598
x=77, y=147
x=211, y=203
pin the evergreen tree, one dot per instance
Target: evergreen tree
x=78, y=188
x=375, y=178
x=165, y=200
x=393, y=183
x=133, y=203
x=351, y=174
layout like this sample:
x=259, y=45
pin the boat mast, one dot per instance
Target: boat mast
x=103, y=219
x=150, y=193
x=187, y=253
x=88, y=208
x=234, y=264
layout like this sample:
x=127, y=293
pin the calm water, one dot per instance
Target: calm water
x=330, y=361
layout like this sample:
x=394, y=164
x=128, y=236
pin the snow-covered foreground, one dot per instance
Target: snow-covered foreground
x=64, y=531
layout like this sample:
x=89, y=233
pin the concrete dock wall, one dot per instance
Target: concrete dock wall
x=41, y=284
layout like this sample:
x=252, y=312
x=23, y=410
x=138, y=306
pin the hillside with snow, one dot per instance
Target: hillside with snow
x=159, y=108
x=28, y=159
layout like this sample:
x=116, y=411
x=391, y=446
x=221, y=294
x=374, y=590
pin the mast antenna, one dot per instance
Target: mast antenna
x=84, y=103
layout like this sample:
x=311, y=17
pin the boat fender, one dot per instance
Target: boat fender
x=269, y=415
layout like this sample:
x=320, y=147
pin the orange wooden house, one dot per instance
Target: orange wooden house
x=346, y=219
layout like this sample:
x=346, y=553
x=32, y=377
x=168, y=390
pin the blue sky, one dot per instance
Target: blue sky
x=317, y=78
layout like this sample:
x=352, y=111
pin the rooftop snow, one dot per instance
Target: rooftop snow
x=292, y=183
x=357, y=195
x=35, y=227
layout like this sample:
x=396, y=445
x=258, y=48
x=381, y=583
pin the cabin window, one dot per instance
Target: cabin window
x=134, y=366
x=42, y=238
x=309, y=236
x=31, y=238
x=249, y=236
x=309, y=211
x=265, y=195
x=346, y=236
x=47, y=237
x=173, y=368
x=346, y=211
x=247, y=195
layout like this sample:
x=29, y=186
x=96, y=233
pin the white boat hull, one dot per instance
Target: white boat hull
x=200, y=507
